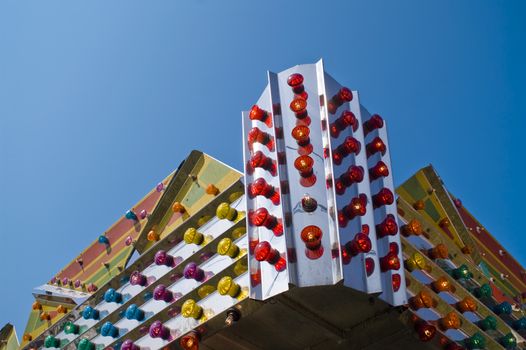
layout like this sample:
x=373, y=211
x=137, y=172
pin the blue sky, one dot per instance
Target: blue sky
x=99, y=100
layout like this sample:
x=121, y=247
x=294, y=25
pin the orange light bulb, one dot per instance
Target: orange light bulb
x=450, y=321
x=413, y=227
x=211, y=189
x=178, y=208
x=419, y=205
x=152, y=236
x=467, y=304
x=444, y=223
x=442, y=285
x=422, y=300
x=36, y=306
x=190, y=341
x=438, y=252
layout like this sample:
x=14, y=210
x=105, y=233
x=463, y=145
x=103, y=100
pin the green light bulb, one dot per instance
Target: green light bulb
x=484, y=291
x=71, y=328
x=488, y=323
x=508, y=341
x=476, y=341
x=461, y=272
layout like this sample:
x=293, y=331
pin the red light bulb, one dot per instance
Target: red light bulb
x=259, y=160
x=376, y=145
x=295, y=80
x=265, y=252
x=351, y=145
x=375, y=122
x=357, y=207
x=299, y=107
x=337, y=157
x=311, y=235
x=339, y=187
x=304, y=165
x=334, y=130
x=390, y=262
x=256, y=135
x=353, y=175
x=345, y=120
x=257, y=113
x=393, y=248
x=383, y=197
x=343, y=95
x=280, y=265
x=260, y=187
x=342, y=219
x=349, y=119
x=396, y=281
x=369, y=266
x=301, y=134
x=360, y=244
x=388, y=227
x=425, y=331
x=261, y=217
x=378, y=171
x=346, y=257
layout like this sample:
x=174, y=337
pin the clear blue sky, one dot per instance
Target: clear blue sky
x=99, y=100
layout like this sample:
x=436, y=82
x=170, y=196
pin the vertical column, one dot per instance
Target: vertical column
x=335, y=214
x=312, y=230
x=265, y=221
x=349, y=179
x=385, y=213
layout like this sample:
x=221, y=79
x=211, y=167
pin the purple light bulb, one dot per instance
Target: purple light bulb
x=128, y=344
x=159, y=187
x=128, y=241
x=162, y=258
x=191, y=270
x=77, y=283
x=137, y=279
x=143, y=214
x=157, y=330
x=162, y=293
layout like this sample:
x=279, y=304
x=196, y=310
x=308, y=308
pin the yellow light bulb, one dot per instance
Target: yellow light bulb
x=191, y=309
x=227, y=247
x=417, y=262
x=191, y=236
x=226, y=285
x=225, y=211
